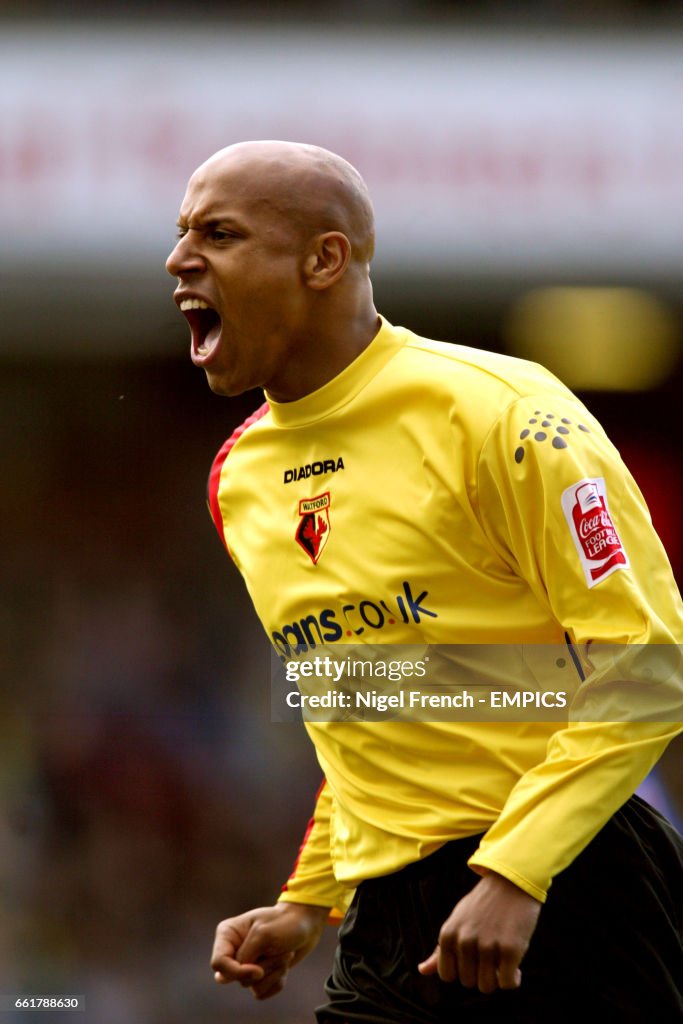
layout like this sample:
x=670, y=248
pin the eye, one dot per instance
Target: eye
x=180, y=233
x=221, y=235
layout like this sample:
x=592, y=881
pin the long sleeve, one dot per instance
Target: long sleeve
x=312, y=879
x=559, y=505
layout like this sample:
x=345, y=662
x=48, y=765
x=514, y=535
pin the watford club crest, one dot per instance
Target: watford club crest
x=313, y=529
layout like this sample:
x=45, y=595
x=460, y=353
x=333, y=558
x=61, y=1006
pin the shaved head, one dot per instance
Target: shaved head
x=316, y=190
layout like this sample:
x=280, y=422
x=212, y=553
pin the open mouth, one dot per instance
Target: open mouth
x=205, y=325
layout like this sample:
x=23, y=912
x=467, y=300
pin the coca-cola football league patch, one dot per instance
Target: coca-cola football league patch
x=585, y=508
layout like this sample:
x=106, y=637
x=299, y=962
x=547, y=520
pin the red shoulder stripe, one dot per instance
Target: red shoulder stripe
x=217, y=469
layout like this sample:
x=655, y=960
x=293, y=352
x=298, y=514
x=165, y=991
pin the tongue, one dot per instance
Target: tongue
x=205, y=325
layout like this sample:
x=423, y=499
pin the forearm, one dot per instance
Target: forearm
x=312, y=881
x=560, y=805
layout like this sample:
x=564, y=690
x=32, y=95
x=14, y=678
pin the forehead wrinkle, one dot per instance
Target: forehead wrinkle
x=210, y=217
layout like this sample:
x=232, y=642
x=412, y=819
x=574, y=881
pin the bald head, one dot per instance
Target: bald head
x=314, y=189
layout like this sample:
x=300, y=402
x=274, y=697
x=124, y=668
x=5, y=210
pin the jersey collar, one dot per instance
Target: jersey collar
x=344, y=387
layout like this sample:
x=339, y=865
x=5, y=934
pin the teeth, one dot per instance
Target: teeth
x=193, y=304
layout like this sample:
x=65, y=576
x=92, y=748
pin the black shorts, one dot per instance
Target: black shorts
x=608, y=945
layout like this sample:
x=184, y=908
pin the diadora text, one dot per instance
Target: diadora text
x=319, y=468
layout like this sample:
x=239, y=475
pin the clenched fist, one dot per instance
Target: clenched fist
x=258, y=948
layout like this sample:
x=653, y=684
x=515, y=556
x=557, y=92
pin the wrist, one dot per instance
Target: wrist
x=311, y=911
x=493, y=881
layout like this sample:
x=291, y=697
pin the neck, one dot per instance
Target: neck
x=323, y=351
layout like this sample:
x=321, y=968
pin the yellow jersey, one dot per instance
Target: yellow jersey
x=437, y=494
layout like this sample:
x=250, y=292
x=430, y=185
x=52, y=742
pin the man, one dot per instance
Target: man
x=458, y=497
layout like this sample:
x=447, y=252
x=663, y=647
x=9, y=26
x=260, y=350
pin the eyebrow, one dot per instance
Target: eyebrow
x=211, y=222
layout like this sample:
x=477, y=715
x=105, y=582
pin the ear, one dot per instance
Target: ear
x=327, y=260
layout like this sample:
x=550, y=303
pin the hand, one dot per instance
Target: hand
x=258, y=948
x=483, y=941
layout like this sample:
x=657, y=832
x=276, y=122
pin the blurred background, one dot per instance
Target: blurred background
x=526, y=161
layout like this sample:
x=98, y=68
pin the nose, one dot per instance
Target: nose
x=184, y=259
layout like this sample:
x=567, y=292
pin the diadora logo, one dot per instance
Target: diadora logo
x=351, y=619
x=319, y=468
